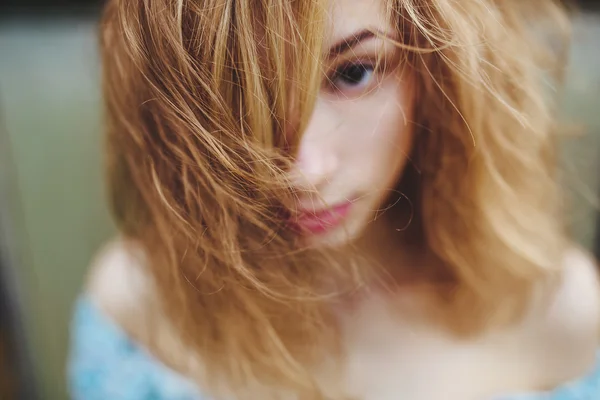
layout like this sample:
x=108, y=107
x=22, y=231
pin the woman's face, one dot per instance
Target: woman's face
x=360, y=133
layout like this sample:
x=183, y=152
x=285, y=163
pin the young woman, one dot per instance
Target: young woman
x=337, y=199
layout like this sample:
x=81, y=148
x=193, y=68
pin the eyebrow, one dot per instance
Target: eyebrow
x=349, y=42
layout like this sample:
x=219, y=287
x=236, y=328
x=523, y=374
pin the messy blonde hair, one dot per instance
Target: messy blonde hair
x=201, y=130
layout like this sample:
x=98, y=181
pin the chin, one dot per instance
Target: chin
x=345, y=234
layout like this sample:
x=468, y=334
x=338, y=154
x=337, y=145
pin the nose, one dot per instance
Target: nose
x=317, y=158
x=314, y=166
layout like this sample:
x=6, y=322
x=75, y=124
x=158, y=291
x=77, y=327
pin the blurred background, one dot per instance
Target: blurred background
x=53, y=214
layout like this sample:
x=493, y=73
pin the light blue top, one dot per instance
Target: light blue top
x=105, y=364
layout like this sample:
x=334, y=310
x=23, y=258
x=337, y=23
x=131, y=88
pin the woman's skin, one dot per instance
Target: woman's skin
x=353, y=152
x=357, y=142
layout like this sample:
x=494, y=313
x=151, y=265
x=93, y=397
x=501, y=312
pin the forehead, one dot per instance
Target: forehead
x=347, y=17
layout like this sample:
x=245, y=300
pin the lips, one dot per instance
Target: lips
x=322, y=221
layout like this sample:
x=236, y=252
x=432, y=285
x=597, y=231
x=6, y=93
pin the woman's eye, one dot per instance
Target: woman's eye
x=352, y=76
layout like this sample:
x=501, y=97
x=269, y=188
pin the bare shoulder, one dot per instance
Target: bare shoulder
x=572, y=321
x=579, y=263
x=120, y=285
x=118, y=282
x=578, y=297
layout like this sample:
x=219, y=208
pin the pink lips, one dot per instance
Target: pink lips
x=322, y=221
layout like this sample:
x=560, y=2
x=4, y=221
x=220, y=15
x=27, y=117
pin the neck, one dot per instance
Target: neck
x=387, y=248
x=394, y=245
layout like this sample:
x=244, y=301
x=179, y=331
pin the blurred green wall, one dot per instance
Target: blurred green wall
x=49, y=104
x=50, y=101
x=581, y=161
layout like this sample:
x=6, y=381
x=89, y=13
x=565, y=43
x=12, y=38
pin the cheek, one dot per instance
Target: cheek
x=392, y=153
x=388, y=135
x=399, y=127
